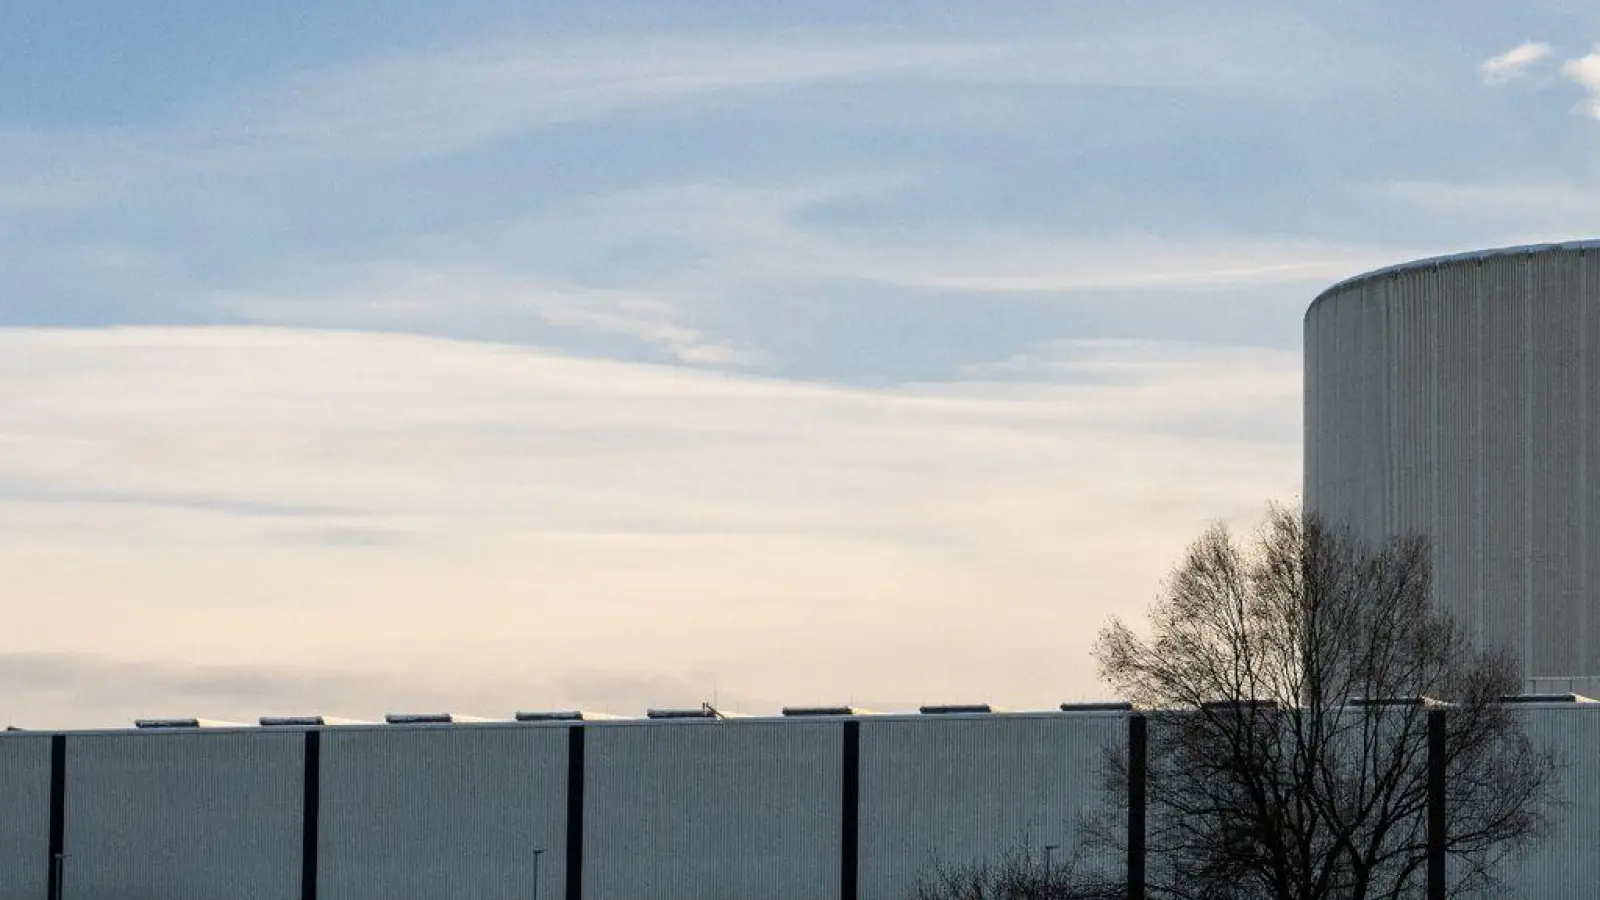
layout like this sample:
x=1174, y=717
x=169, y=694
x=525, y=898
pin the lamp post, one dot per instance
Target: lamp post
x=536, y=854
x=1049, y=849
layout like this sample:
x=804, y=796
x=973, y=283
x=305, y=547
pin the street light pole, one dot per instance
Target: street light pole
x=536, y=854
x=1049, y=849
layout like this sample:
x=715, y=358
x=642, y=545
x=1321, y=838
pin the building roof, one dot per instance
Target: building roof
x=1433, y=262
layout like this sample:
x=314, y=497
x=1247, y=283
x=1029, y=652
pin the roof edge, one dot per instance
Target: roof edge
x=1432, y=262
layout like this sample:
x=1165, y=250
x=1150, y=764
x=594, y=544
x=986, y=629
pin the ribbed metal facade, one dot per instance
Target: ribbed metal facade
x=1457, y=398
x=955, y=790
x=24, y=816
x=442, y=811
x=1565, y=863
x=669, y=810
x=713, y=810
x=183, y=816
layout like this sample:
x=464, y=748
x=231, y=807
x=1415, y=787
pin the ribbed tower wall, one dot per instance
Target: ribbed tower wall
x=1458, y=398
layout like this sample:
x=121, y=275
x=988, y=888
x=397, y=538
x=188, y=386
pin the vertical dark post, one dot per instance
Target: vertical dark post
x=850, y=812
x=58, y=812
x=1436, y=807
x=575, y=812
x=1138, y=766
x=311, y=814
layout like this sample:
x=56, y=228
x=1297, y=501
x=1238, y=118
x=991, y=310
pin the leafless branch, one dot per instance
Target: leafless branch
x=1289, y=678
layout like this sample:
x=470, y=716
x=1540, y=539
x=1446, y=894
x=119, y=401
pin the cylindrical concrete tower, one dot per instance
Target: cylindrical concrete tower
x=1460, y=398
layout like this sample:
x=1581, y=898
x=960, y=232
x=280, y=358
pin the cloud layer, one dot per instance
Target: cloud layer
x=497, y=527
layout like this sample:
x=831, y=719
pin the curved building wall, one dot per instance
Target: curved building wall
x=1458, y=398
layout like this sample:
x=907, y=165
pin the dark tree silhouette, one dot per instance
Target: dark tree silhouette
x=1020, y=874
x=1287, y=678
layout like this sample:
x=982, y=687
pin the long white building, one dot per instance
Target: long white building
x=809, y=807
x=802, y=807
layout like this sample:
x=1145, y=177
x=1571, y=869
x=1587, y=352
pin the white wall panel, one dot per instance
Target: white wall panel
x=24, y=816
x=943, y=790
x=713, y=810
x=442, y=811
x=194, y=815
x=1564, y=864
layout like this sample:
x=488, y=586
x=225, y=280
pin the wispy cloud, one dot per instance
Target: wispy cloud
x=445, y=102
x=1513, y=63
x=1504, y=212
x=439, y=103
x=503, y=84
x=685, y=271
x=764, y=531
x=482, y=302
x=1044, y=263
x=737, y=232
x=672, y=265
x=1584, y=71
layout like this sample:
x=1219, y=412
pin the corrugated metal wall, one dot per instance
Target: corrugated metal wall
x=713, y=810
x=1564, y=864
x=948, y=790
x=1458, y=538
x=673, y=810
x=442, y=811
x=24, y=816
x=1557, y=437
x=190, y=816
x=1507, y=354
x=1455, y=398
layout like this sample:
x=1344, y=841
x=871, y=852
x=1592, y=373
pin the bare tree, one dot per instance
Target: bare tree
x=1288, y=679
x=1019, y=874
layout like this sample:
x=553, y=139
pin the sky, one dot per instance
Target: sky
x=365, y=357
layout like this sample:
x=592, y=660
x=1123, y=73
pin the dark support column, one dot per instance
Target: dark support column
x=311, y=814
x=850, y=813
x=58, y=812
x=1137, y=772
x=575, y=812
x=1436, y=807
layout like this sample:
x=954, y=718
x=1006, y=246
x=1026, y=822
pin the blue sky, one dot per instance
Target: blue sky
x=758, y=349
